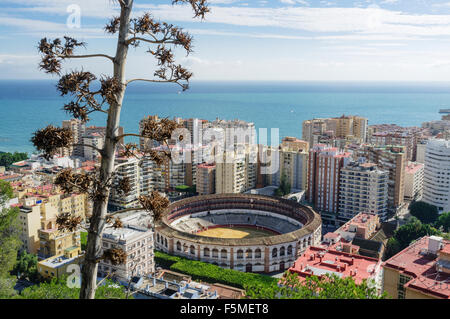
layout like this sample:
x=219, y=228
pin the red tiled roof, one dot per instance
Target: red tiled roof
x=414, y=262
x=341, y=263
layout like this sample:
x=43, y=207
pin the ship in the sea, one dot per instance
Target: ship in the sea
x=444, y=111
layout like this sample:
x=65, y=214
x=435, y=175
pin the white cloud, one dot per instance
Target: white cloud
x=371, y=20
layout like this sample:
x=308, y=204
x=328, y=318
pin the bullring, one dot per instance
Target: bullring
x=283, y=229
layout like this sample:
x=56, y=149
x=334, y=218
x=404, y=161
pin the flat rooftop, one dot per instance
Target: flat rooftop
x=320, y=261
x=413, y=168
x=58, y=261
x=360, y=220
x=413, y=261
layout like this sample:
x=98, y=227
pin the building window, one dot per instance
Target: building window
x=240, y=254
x=289, y=250
x=274, y=253
x=258, y=253
x=206, y=252
x=401, y=286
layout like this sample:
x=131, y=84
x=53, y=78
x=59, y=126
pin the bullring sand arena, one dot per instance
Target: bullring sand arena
x=245, y=232
x=235, y=232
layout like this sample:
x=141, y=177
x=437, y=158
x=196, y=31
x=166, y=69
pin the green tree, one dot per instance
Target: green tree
x=405, y=234
x=313, y=287
x=58, y=289
x=285, y=187
x=6, y=159
x=6, y=192
x=9, y=241
x=425, y=212
x=444, y=222
x=7, y=287
x=186, y=189
x=26, y=266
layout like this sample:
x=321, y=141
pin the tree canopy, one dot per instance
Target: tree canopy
x=58, y=289
x=285, y=187
x=9, y=242
x=313, y=287
x=26, y=266
x=405, y=234
x=444, y=222
x=6, y=192
x=6, y=159
x=425, y=212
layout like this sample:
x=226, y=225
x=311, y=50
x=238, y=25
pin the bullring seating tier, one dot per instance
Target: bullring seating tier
x=198, y=223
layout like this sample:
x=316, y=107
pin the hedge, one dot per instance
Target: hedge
x=211, y=273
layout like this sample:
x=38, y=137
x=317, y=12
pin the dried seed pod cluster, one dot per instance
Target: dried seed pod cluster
x=68, y=222
x=50, y=139
x=53, y=52
x=200, y=7
x=115, y=255
x=155, y=203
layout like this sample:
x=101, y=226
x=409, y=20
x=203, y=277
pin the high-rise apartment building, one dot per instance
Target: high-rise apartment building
x=363, y=188
x=414, y=173
x=325, y=165
x=231, y=173
x=313, y=129
x=436, y=187
x=402, y=138
x=341, y=128
x=206, y=179
x=126, y=167
x=231, y=134
x=294, y=144
x=78, y=129
x=420, y=151
x=392, y=159
x=293, y=165
x=96, y=140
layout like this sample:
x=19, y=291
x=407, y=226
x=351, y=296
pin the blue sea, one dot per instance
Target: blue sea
x=26, y=106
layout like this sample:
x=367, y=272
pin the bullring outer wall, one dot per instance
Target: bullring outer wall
x=263, y=254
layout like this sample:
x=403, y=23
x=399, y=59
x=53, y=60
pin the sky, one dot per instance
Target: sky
x=281, y=40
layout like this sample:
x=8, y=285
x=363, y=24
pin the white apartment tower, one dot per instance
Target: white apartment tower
x=231, y=174
x=363, y=189
x=125, y=167
x=436, y=188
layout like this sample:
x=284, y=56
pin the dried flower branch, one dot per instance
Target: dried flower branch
x=116, y=256
x=116, y=222
x=110, y=87
x=155, y=203
x=71, y=182
x=200, y=7
x=68, y=222
x=50, y=139
x=53, y=52
x=124, y=186
x=113, y=26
